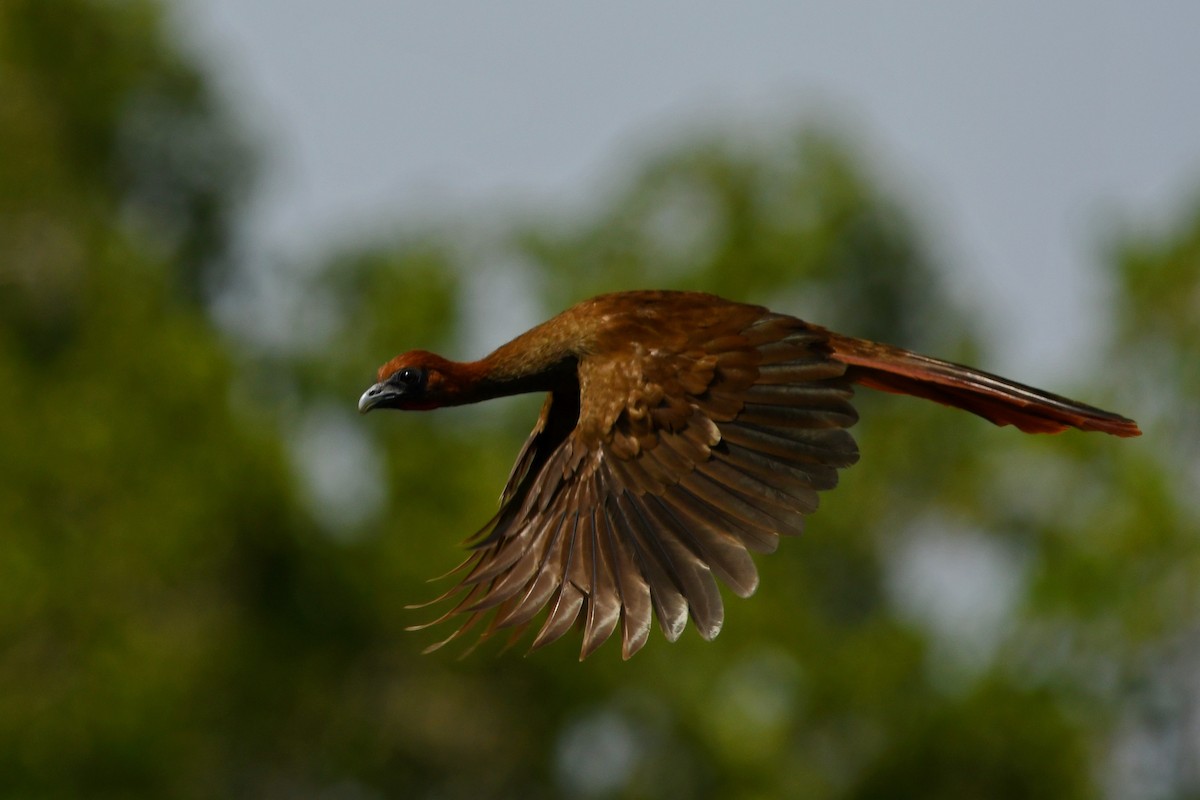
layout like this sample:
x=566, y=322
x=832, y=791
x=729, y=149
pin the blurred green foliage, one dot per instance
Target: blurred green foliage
x=182, y=615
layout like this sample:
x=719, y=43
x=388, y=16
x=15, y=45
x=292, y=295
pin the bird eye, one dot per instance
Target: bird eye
x=410, y=376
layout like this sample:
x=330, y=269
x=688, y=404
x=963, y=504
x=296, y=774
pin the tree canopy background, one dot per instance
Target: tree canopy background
x=205, y=556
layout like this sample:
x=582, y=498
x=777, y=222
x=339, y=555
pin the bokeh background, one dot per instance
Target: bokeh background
x=217, y=218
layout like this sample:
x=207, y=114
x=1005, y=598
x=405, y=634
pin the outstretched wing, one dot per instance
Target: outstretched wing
x=677, y=464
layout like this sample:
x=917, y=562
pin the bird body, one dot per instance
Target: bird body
x=680, y=432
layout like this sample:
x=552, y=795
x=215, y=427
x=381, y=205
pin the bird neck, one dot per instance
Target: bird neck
x=526, y=364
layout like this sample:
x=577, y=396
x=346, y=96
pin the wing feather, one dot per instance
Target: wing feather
x=541, y=587
x=715, y=539
x=670, y=604
x=632, y=587
x=689, y=574
x=562, y=615
x=604, y=608
x=788, y=499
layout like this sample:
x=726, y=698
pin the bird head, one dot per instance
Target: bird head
x=414, y=381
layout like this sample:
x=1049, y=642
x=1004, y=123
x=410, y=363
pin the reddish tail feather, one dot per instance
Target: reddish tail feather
x=996, y=399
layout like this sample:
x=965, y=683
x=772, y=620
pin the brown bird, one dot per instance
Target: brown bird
x=680, y=432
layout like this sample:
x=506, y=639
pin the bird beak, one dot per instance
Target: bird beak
x=381, y=394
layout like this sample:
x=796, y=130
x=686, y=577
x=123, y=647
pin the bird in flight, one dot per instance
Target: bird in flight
x=680, y=433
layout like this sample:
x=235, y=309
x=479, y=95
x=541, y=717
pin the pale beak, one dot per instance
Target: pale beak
x=381, y=394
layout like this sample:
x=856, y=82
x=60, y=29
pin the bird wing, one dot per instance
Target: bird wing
x=664, y=469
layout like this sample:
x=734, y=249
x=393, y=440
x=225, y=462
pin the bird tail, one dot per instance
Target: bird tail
x=996, y=399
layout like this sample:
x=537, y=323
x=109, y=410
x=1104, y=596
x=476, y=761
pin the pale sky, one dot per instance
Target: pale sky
x=1020, y=131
